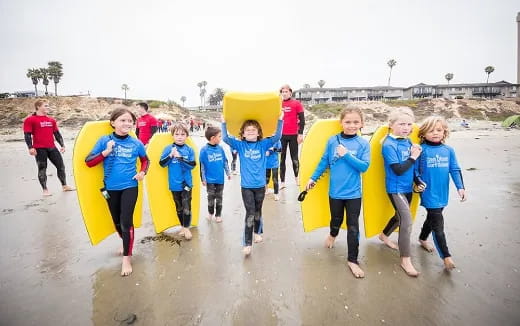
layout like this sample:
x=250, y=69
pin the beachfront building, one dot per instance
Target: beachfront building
x=311, y=96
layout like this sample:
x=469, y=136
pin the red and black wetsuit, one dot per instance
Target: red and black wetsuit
x=293, y=125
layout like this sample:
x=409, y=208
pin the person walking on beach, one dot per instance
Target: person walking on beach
x=146, y=124
x=119, y=153
x=435, y=166
x=40, y=131
x=292, y=132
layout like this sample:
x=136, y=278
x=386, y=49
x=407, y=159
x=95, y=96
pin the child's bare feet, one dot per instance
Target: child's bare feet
x=46, y=193
x=282, y=185
x=356, y=270
x=218, y=219
x=449, y=264
x=406, y=264
x=126, y=266
x=276, y=197
x=386, y=240
x=329, y=241
x=426, y=245
x=68, y=188
x=247, y=250
x=257, y=238
x=187, y=234
x=181, y=232
x=209, y=217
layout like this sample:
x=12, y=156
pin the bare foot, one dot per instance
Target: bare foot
x=329, y=241
x=426, y=245
x=218, y=219
x=68, y=188
x=276, y=197
x=282, y=185
x=247, y=250
x=187, y=234
x=257, y=238
x=181, y=232
x=356, y=270
x=388, y=242
x=209, y=217
x=406, y=264
x=449, y=264
x=297, y=180
x=46, y=193
x=126, y=267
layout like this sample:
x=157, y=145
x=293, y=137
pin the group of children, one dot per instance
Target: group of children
x=424, y=168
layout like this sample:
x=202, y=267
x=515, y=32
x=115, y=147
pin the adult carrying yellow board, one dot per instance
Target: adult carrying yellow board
x=377, y=208
x=315, y=207
x=262, y=107
x=160, y=199
x=89, y=181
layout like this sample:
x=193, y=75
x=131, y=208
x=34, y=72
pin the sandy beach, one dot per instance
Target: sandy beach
x=51, y=275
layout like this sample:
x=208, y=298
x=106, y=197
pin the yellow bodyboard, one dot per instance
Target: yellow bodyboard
x=262, y=107
x=377, y=208
x=160, y=199
x=315, y=207
x=93, y=205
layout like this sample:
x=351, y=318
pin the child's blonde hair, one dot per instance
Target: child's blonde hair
x=429, y=123
x=397, y=113
x=181, y=127
x=253, y=123
x=346, y=110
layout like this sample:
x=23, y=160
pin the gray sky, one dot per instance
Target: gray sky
x=161, y=49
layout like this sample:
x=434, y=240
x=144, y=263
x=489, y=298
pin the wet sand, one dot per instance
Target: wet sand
x=51, y=275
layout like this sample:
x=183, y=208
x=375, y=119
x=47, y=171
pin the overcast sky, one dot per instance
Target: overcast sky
x=161, y=49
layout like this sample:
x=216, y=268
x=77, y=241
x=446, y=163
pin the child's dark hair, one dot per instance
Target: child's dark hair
x=143, y=105
x=119, y=112
x=253, y=123
x=211, y=131
x=180, y=126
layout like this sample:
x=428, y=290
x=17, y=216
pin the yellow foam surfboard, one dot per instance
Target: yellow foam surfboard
x=315, y=208
x=377, y=208
x=93, y=205
x=262, y=107
x=160, y=199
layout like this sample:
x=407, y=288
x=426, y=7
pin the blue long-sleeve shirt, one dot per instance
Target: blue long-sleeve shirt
x=272, y=159
x=397, y=151
x=179, y=169
x=435, y=166
x=345, y=171
x=213, y=164
x=252, y=156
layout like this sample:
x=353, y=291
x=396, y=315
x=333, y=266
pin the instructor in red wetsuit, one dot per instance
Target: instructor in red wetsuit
x=40, y=131
x=146, y=124
x=292, y=132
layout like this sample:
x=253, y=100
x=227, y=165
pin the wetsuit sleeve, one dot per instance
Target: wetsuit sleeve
x=401, y=168
x=190, y=162
x=323, y=165
x=226, y=138
x=165, y=157
x=455, y=171
x=137, y=132
x=59, y=138
x=96, y=155
x=277, y=136
x=202, y=162
x=28, y=139
x=226, y=166
x=153, y=129
x=301, y=122
x=360, y=164
x=145, y=163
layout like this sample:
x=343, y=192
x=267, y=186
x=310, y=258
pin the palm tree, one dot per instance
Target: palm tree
x=125, y=88
x=448, y=76
x=55, y=72
x=204, y=83
x=489, y=70
x=391, y=63
x=44, y=72
x=183, y=99
x=219, y=95
x=35, y=76
x=202, y=95
x=306, y=86
x=321, y=83
x=199, y=85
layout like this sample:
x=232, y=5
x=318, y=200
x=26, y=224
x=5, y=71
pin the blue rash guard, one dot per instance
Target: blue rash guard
x=435, y=165
x=345, y=171
x=272, y=160
x=119, y=167
x=397, y=151
x=252, y=156
x=213, y=164
x=179, y=169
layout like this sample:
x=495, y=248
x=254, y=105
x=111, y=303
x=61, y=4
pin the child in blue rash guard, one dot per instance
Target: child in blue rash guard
x=347, y=155
x=399, y=155
x=119, y=153
x=251, y=150
x=213, y=164
x=271, y=168
x=180, y=160
x=435, y=165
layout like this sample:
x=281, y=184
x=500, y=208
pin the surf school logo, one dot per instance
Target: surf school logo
x=286, y=109
x=437, y=161
x=45, y=124
x=121, y=151
x=405, y=154
x=214, y=157
x=253, y=154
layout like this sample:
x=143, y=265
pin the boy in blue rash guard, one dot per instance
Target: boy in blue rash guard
x=271, y=167
x=213, y=164
x=347, y=155
x=180, y=160
x=399, y=155
x=435, y=166
x=251, y=150
x=119, y=153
